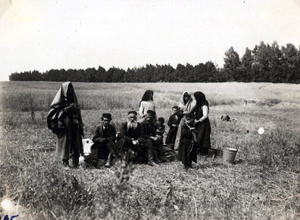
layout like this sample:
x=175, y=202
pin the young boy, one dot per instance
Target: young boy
x=173, y=124
x=187, y=151
x=160, y=127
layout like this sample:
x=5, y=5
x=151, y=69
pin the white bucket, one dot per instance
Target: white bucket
x=229, y=155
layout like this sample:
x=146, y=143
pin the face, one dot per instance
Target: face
x=132, y=117
x=106, y=121
x=190, y=121
x=174, y=110
x=149, y=118
x=186, y=97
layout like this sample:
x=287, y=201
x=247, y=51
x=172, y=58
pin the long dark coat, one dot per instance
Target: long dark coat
x=67, y=125
x=104, y=140
x=174, y=119
x=187, y=151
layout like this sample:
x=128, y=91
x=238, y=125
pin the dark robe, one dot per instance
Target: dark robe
x=66, y=124
x=126, y=136
x=151, y=148
x=174, y=119
x=104, y=141
x=187, y=151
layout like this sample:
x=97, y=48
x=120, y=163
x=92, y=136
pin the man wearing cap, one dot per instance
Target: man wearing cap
x=152, y=142
x=104, y=141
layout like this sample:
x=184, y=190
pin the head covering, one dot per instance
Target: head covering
x=186, y=105
x=132, y=112
x=106, y=115
x=60, y=101
x=61, y=98
x=200, y=99
x=151, y=113
x=176, y=107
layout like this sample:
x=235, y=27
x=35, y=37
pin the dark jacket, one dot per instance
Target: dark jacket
x=101, y=134
x=148, y=129
x=173, y=120
x=130, y=134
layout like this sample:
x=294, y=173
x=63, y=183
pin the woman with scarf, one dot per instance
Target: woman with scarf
x=186, y=105
x=64, y=119
x=202, y=123
x=146, y=103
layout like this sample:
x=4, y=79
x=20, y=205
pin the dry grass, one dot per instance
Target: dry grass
x=263, y=184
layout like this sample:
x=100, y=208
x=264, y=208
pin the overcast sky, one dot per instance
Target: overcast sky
x=45, y=34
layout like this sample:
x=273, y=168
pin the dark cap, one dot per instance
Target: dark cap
x=176, y=107
x=132, y=112
x=151, y=113
x=106, y=115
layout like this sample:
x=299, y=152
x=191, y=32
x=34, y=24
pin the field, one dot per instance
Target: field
x=264, y=182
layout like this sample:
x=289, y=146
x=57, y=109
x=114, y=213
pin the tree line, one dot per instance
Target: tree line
x=265, y=63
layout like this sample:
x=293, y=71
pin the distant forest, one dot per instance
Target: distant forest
x=265, y=63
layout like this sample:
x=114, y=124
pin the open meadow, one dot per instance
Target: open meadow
x=264, y=182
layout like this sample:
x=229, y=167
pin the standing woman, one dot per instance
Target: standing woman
x=146, y=103
x=186, y=105
x=64, y=119
x=202, y=123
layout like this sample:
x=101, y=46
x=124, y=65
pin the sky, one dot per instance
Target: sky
x=43, y=35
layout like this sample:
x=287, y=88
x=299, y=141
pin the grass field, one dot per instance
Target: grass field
x=264, y=183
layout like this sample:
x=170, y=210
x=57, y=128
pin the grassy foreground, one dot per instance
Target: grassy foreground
x=264, y=183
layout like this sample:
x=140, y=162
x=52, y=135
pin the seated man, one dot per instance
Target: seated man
x=130, y=136
x=152, y=141
x=104, y=141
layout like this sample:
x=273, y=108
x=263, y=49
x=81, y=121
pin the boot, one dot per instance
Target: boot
x=65, y=162
x=156, y=158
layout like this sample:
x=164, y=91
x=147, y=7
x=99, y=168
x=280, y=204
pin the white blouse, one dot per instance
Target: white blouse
x=145, y=106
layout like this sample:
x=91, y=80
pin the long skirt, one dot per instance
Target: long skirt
x=69, y=142
x=203, y=137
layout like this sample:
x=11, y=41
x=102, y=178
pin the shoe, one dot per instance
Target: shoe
x=107, y=164
x=152, y=163
x=157, y=161
x=123, y=165
x=94, y=163
x=65, y=162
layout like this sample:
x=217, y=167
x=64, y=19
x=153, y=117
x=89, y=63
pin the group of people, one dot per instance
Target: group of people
x=140, y=138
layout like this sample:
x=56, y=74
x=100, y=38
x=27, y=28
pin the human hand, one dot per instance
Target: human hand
x=135, y=142
x=73, y=106
x=154, y=138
